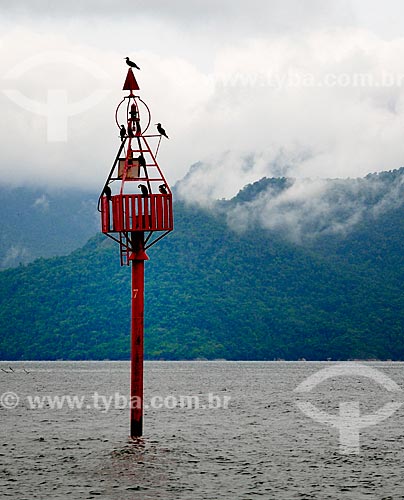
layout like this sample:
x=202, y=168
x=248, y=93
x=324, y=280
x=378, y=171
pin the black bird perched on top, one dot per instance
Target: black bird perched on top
x=145, y=191
x=131, y=63
x=162, y=189
x=122, y=132
x=161, y=131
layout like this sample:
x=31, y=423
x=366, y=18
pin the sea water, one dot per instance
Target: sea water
x=212, y=430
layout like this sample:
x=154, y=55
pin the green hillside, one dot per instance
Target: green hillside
x=214, y=292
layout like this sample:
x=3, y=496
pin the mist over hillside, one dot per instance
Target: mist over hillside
x=299, y=209
x=45, y=223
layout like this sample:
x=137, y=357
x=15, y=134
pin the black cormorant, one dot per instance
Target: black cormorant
x=131, y=63
x=162, y=189
x=161, y=131
x=122, y=132
x=145, y=191
x=107, y=192
x=142, y=161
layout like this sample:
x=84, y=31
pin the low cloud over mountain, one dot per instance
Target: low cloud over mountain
x=299, y=209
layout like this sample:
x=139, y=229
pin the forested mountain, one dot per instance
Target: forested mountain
x=247, y=278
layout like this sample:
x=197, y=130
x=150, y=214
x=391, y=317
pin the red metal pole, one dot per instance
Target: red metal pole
x=137, y=334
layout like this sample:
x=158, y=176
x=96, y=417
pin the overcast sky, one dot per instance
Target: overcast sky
x=250, y=88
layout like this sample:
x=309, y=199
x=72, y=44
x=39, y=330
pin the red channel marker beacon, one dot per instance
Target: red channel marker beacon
x=136, y=212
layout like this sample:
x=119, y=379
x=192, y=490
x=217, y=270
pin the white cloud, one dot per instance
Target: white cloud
x=308, y=106
x=228, y=14
x=218, y=79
